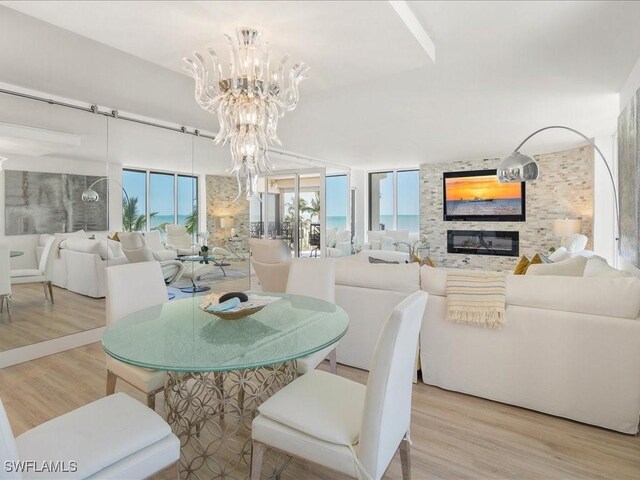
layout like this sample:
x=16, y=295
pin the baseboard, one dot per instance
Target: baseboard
x=50, y=347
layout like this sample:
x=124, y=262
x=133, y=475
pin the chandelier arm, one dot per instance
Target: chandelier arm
x=606, y=164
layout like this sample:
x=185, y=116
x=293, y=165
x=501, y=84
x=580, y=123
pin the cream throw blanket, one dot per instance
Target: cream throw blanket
x=476, y=298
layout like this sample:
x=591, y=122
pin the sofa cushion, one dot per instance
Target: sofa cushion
x=76, y=234
x=614, y=296
x=559, y=255
x=598, y=267
x=115, y=249
x=574, y=243
x=572, y=267
x=375, y=239
x=400, y=278
x=96, y=247
x=388, y=243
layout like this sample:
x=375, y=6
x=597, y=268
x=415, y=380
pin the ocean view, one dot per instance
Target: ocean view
x=160, y=219
x=405, y=222
x=494, y=207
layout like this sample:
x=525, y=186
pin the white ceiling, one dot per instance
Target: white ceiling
x=374, y=98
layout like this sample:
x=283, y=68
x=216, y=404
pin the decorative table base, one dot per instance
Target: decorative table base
x=211, y=414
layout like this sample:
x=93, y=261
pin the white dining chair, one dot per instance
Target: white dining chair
x=270, y=260
x=343, y=425
x=37, y=275
x=315, y=278
x=130, y=288
x=112, y=438
x=5, y=279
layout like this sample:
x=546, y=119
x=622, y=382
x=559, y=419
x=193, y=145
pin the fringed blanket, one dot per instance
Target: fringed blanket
x=476, y=298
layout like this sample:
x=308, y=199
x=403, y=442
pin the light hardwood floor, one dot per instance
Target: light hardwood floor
x=35, y=320
x=454, y=435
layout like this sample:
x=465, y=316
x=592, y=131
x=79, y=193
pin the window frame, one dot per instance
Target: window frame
x=394, y=173
x=175, y=175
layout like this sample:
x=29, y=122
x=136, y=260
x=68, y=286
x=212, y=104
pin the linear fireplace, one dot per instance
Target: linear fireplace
x=483, y=242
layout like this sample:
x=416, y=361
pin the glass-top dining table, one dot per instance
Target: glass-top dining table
x=220, y=371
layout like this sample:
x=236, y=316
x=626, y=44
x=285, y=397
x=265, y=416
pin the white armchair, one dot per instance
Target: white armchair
x=179, y=240
x=112, y=438
x=270, y=260
x=160, y=251
x=136, y=250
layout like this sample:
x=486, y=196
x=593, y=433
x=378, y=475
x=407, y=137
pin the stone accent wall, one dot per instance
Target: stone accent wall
x=563, y=190
x=221, y=191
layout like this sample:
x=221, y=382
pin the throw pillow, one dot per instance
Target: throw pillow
x=559, y=255
x=427, y=261
x=538, y=258
x=115, y=237
x=521, y=267
x=574, y=243
x=572, y=267
x=375, y=239
x=379, y=260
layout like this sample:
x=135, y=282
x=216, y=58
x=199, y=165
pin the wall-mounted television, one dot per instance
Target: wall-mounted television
x=477, y=195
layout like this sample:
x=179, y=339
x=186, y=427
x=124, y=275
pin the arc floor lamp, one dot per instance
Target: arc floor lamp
x=518, y=167
x=91, y=196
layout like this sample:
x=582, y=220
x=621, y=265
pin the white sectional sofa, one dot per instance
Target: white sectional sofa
x=570, y=346
x=77, y=262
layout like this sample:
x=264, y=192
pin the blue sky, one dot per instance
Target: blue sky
x=337, y=196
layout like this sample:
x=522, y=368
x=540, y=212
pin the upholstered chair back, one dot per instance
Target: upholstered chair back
x=8, y=448
x=47, y=251
x=387, y=411
x=313, y=277
x=132, y=287
x=5, y=275
x=270, y=260
x=135, y=247
x=153, y=240
x=177, y=236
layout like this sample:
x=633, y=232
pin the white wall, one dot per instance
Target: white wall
x=604, y=218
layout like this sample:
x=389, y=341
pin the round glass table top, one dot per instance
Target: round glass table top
x=179, y=336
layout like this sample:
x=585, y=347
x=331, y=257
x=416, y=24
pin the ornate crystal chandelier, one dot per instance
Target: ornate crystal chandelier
x=248, y=101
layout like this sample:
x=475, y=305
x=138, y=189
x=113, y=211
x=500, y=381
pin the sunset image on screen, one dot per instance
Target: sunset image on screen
x=482, y=187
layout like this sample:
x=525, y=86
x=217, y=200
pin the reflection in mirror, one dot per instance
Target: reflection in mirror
x=53, y=241
x=225, y=223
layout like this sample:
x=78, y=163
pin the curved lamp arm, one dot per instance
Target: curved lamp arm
x=103, y=179
x=114, y=181
x=606, y=164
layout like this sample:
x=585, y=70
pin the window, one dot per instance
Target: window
x=337, y=201
x=162, y=206
x=188, y=202
x=394, y=200
x=158, y=199
x=134, y=213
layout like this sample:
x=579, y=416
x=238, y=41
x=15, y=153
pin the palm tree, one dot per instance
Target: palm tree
x=313, y=207
x=132, y=219
x=191, y=222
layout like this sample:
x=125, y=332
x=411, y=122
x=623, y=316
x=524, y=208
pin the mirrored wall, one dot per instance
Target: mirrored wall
x=84, y=191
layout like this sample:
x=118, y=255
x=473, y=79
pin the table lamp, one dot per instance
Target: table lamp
x=227, y=223
x=564, y=227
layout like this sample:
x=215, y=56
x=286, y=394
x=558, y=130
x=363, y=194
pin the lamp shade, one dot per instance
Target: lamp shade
x=226, y=222
x=90, y=195
x=517, y=167
x=565, y=227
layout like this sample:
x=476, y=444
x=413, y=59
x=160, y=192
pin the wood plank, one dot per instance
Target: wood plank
x=454, y=435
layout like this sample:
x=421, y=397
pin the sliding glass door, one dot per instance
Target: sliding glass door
x=290, y=207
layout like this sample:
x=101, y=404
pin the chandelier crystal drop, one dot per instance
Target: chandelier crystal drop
x=248, y=101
